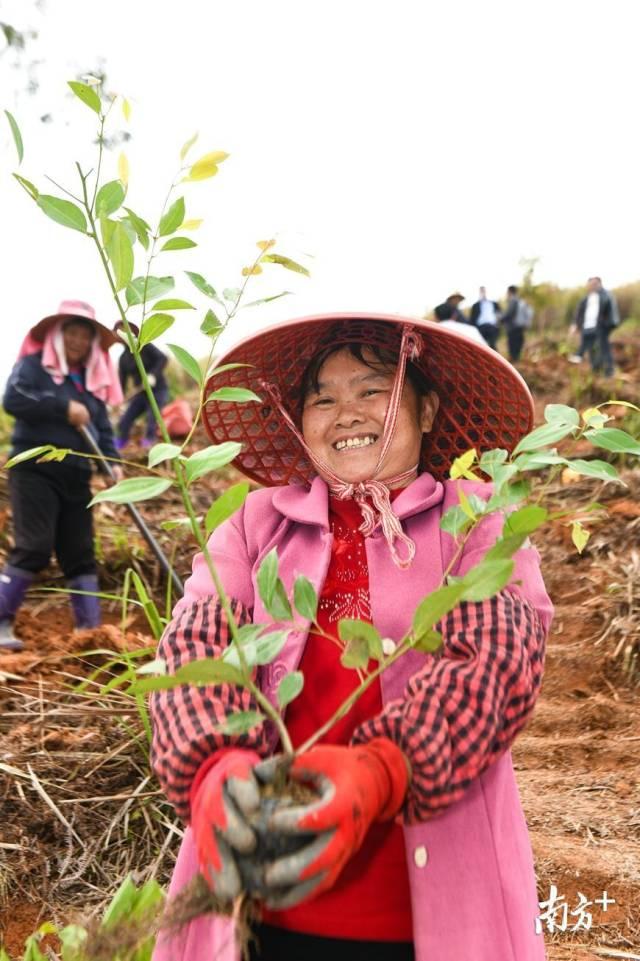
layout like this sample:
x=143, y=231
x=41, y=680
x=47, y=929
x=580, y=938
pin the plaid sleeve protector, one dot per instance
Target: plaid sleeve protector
x=185, y=718
x=464, y=709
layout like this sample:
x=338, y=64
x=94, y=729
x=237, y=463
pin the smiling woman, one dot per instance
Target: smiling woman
x=346, y=393
x=360, y=421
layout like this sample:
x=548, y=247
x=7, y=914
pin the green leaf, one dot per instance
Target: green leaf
x=154, y=326
x=202, y=285
x=210, y=325
x=428, y=642
x=232, y=294
x=233, y=395
x=17, y=136
x=174, y=524
x=133, y=489
x=506, y=547
x=486, y=579
x=28, y=186
x=350, y=629
x=209, y=670
x=187, y=146
x=538, y=459
x=120, y=250
x=110, y=198
x=225, y=506
x=148, y=605
x=595, y=468
x=280, y=608
x=63, y=212
x=268, y=646
x=241, y=722
x=289, y=688
x=434, y=607
x=620, y=403
x=150, y=896
x=179, y=243
x=121, y=904
x=161, y=452
x=267, y=300
x=140, y=226
x=224, y=367
x=73, y=938
x=509, y=496
x=543, y=436
x=355, y=654
x=87, y=94
x=454, y=521
x=107, y=228
x=611, y=438
x=156, y=287
x=157, y=666
x=211, y=458
x=206, y=166
x=267, y=577
x=561, y=414
x=580, y=536
x=285, y=262
x=305, y=598
x=187, y=362
x=465, y=505
x=526, y=520
x=29, y=454
x=173, y=304
x=492, y=459
x=172, y=219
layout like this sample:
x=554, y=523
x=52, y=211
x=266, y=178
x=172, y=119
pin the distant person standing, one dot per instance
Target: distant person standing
x=517, y=318
x=154, y=361
x=595, y=317
x=485, y=315
x=450, y=309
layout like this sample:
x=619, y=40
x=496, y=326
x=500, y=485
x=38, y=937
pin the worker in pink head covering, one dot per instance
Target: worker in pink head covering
x=62, y=382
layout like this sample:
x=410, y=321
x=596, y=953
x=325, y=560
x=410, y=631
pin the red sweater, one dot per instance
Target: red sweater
x=371, y=899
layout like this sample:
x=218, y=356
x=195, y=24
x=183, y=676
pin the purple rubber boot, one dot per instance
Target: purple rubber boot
x=86, y=608
x=13, y=585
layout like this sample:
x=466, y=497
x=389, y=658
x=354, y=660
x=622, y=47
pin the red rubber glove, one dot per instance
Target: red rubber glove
x=357, y=786
x=225, y=794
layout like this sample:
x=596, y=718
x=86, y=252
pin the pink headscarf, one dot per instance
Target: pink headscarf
x=101, y=378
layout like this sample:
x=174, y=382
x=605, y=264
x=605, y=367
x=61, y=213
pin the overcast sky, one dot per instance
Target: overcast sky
x=400, y=150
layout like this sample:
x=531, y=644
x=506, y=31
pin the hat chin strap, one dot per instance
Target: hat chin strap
x=372, y=495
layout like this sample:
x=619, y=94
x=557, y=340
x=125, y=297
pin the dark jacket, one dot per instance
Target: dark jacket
x=510, y=315
x=606, y=315
x=153, y=361
x=475, y=312
x=40, y=409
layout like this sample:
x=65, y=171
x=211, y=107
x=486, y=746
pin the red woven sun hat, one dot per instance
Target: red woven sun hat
x=484, y=402
x=70, y=310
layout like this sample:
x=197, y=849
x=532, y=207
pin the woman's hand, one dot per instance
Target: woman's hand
x=118, y=473
x=77, y=414
x=227, y=792
x=356, y=786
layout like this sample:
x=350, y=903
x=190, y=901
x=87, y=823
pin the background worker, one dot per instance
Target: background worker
x=154, y=362
x=61, y=383
x=596, y=316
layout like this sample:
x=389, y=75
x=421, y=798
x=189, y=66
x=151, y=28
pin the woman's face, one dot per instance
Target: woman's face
x=77, y=340
x=343, y=422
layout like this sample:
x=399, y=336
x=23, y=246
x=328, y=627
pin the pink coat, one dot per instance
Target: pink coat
x=470, y=868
